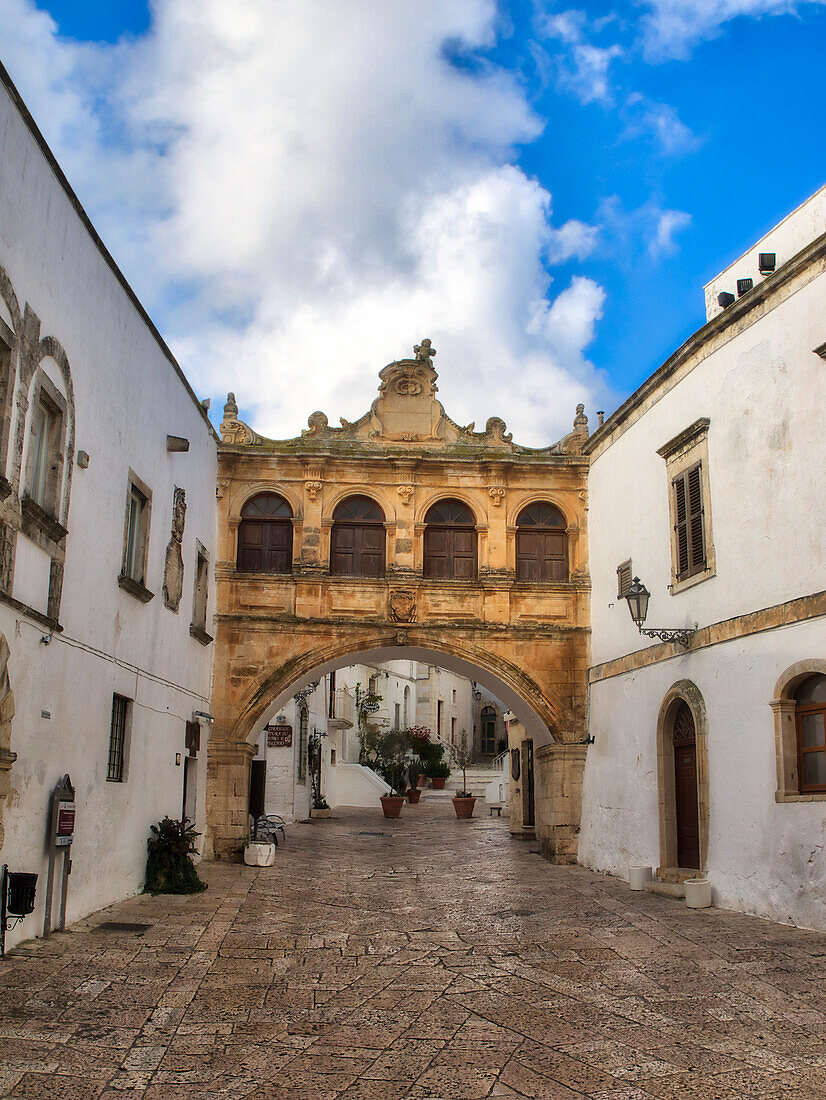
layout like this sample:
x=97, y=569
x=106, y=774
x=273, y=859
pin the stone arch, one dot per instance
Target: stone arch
x=450, y=494
x=785, y=729
x=682, y=691
x=7, y=757
x=525, y=500
x=290, y=677
x=250, y=492
x=383, y=500
x=292, y=659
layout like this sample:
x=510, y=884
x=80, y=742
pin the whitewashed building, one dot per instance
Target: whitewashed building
x=708, y=485
x=107, y=528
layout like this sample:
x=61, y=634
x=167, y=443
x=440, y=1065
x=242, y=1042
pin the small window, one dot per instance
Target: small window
x=810, y=714
x=488, y=717
x=133, y=566
x=358, y=538
x=689, y=523
x=453, y=731
x=117, y=739
x=439, y=709
x=398, y=713
x=624, y=578
x=541, y=544
x=450, y=542
x=265, y=536
x=45, y=459
x=136, y=539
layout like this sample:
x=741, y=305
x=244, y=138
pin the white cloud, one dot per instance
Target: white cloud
x=583, y=69
x=667, y=224
x=673, y=27
x=300, y=192
x=661, y=122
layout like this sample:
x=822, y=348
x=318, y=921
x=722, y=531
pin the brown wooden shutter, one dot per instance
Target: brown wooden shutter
x=623, y=578
x=696, y=537
x=681, y=525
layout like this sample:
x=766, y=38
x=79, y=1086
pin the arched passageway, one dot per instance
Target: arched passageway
x=412, y=535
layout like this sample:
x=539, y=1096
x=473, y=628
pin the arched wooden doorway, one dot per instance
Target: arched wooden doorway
x=682, y=767
x=687, y=825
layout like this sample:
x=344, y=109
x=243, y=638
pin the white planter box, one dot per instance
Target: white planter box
x=697, y=893
x=638, y=876
x=259, y=853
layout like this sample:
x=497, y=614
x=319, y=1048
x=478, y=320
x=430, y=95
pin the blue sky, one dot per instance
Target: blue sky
x=300, y=191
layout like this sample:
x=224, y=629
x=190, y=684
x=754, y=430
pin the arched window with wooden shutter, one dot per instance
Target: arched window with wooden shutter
x=541, y=544
x=265, y=535
x=689, y=526
x=810, y=715
x=358, y=538
x=450, y=541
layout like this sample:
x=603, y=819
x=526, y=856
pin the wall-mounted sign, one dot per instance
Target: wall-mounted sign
x=65, y=823
x=279, y=737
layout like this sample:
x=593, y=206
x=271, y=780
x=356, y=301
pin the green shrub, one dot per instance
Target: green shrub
x=439, y=770
x=169, y=870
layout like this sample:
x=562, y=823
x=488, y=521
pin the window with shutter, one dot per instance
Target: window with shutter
x=358, y=539
x=689, y=529
x=624, y=578
x=265, y=536
x=450, y=542
x=541, y=544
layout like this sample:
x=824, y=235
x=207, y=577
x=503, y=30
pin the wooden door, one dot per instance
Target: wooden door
x=265, y=547
x=688, y=814
x=527, y=783
x=450, y=552
x=357, y=550
x=541, y=556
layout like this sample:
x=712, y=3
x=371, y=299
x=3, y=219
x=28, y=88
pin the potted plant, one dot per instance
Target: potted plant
x=438, y=772
x=462, y=753
x=391, y=752
x=413, y=774
x=320, y=807
x=169, y=869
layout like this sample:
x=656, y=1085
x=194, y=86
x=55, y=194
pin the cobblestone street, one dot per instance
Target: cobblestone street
x=421, y=958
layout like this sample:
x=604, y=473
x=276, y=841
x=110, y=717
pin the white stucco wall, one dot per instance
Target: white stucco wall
x=764, y=857
x=763, y=392
x=127, y=397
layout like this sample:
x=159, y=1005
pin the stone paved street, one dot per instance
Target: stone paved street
x=422, y=958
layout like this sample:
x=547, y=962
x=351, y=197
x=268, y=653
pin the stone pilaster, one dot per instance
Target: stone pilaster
x=558, y=785
x=228, y=785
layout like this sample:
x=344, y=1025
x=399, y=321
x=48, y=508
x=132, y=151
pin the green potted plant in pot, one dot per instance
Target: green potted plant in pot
x=438, y=772
x=169, y=868
x=462, y=753
x=320, y=807
x=391, y=764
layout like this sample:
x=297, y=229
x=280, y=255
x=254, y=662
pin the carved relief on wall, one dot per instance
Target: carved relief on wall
x=497, y=495
x=402, y=604
x=312, y=488
x=406, y=493
x=6, y=557
x=55, y=589
x=173, y=577
x=7, y=757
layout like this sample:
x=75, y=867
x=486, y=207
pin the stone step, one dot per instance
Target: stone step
x=674, y=890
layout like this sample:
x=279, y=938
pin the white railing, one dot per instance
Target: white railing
x=498, y=764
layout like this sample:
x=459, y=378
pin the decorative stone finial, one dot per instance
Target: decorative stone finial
x=231, y=408
x=580, y=420
x=424, y=351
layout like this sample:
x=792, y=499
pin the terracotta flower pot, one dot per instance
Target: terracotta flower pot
x=392, y=804
x=438, y=784
x=315, y=812
x=413, y=795
x=422, y=779
x=464, y=806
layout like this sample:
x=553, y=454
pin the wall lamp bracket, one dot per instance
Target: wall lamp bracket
x=638, y=597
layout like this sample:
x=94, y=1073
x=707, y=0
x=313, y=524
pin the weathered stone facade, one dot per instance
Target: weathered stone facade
x=405, y=454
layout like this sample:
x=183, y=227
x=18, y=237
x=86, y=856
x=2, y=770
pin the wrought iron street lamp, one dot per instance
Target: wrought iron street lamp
x=638, y=597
